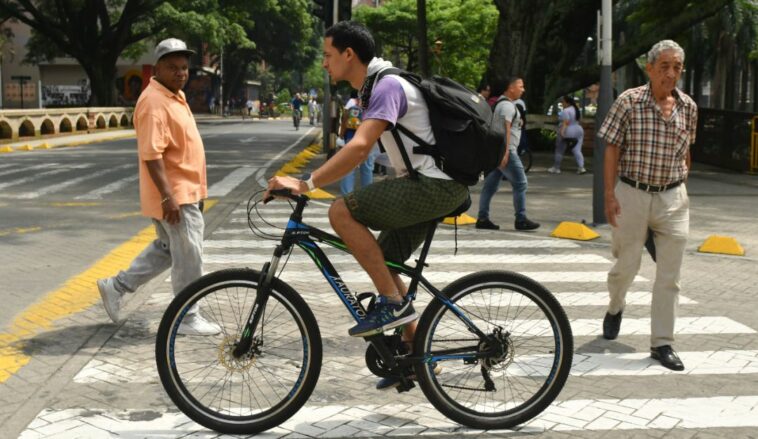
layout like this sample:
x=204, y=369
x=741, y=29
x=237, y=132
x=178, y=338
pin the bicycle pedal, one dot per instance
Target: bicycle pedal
x=409, y=384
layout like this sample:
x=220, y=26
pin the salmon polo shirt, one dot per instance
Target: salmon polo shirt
x=166, y=130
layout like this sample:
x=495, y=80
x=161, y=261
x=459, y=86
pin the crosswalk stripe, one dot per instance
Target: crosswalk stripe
x=27, y=168
x=230, y=181
x=499, y=258
x=7, y=165
x=735, y=362
x=57, y=187
x=444, y=277
x=406, y=420
x=107, y=189
x=461, y=232
x=30, y=179
x=484, y=243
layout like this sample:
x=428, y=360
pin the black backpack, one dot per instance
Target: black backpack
x=468, y=144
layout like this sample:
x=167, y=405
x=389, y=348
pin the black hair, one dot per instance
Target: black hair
x=483, y=86
x=572, y=102
x=354, y=94
x=354, y=35
x=510, y=80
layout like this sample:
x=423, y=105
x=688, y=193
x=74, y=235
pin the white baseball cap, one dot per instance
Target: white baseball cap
x=171, y=45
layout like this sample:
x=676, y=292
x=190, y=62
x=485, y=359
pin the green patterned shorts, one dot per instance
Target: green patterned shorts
x=401, y=209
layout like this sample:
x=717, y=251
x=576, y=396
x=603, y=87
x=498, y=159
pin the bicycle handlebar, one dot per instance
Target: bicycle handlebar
x=284, y=193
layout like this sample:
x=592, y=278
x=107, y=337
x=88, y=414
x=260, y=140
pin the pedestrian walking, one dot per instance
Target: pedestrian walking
x=648, y=132
x=172, y=187
x=351, y=120
x=505, y=112
x=570, y=136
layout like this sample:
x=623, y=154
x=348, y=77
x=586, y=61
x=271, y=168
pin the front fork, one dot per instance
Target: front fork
x=264, y=289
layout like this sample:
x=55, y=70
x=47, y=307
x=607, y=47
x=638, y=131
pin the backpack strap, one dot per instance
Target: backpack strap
x=395, y=134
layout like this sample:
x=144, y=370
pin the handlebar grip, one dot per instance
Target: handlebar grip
x=278, y=193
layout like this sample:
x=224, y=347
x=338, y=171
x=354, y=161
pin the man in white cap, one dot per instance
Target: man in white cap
x=172, y=187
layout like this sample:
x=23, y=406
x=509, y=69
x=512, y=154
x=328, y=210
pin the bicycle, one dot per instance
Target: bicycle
x=504, y=341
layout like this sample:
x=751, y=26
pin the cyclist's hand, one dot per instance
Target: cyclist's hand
x=291, y=183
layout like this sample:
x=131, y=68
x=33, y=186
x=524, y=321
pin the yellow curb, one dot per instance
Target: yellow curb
x=725, y=245
x=462, y=220
x=576, y=231
x=6, y=149
x=320, y=194
x=76, y=295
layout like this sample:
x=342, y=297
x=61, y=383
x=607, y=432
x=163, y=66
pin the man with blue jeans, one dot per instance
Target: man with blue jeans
x=505, y=112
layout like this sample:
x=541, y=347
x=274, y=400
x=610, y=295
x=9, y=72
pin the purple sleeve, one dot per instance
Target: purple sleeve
x=387, y=102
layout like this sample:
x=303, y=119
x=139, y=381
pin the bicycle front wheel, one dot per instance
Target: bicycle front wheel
x=250, y=393
x=529, y=348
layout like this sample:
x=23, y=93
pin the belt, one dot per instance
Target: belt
x=650, y=187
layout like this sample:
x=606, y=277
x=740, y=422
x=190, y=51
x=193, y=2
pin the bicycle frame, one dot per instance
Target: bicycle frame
x=306, y=237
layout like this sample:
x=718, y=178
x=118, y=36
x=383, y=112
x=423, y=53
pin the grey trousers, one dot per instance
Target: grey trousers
x=667, y=214
x=179, y=247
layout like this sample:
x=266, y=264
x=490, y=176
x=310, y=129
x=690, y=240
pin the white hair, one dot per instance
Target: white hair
x=660, y=46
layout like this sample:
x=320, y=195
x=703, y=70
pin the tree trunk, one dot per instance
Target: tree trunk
x=755, y=85
x=101, y=74
x=744, y=83
x=423, y=42
x=542, y=40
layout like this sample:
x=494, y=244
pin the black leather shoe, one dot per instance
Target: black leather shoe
x=526, y=224
x=611, y=325
x=486, y=224
x=667, y=357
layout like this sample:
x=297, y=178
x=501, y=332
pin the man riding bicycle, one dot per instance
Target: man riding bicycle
x=401, y=207
x=296, y=105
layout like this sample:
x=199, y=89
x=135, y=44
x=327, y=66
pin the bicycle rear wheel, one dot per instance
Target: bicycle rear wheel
x=247, y=394
x=530, y=345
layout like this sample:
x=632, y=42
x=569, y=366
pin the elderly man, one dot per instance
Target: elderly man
x=648, y=132
x=172, y=187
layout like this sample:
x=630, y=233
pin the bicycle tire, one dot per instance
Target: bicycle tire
x=269, y=366
x=494, y=413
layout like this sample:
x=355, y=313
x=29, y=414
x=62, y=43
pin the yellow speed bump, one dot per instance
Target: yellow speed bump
x=24, y=148
x=289, y=169
x=576, y=231
x=6, y=149
x=725, y=245
x=320, y=194
x=463, y=219
x=43, y=146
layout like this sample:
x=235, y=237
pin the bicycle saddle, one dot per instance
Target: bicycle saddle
x=459, y=210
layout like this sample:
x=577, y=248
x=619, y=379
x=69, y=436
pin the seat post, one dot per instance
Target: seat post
x=421, y=261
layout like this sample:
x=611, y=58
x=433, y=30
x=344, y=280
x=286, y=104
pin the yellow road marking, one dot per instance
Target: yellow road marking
x=125, y=215
x=19, y=230
x=76, y=295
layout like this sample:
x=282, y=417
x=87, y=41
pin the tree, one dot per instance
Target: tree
x=464, y=27
x=423, y=40
x=284, y=38
x=543, y=40
x=96, y=32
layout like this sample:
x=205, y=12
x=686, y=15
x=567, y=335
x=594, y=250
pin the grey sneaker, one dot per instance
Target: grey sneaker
x=111, y=298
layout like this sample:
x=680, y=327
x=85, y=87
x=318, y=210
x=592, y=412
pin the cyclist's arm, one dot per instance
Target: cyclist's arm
x=353, y=154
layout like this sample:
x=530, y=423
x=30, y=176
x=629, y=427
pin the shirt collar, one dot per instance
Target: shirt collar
x=647, y=95
x=162, y=88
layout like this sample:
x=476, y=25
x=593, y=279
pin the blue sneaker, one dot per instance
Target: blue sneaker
x=384, y=316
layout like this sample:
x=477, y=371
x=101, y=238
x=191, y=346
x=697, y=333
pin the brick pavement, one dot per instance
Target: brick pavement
x=110, y=387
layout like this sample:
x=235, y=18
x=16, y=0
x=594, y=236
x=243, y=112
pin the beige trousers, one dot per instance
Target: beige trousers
x=667, y=214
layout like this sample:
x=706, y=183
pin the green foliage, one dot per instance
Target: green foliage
x=465, y=28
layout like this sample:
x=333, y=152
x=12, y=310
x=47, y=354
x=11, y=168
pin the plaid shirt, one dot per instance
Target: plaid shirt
x=652, y=150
